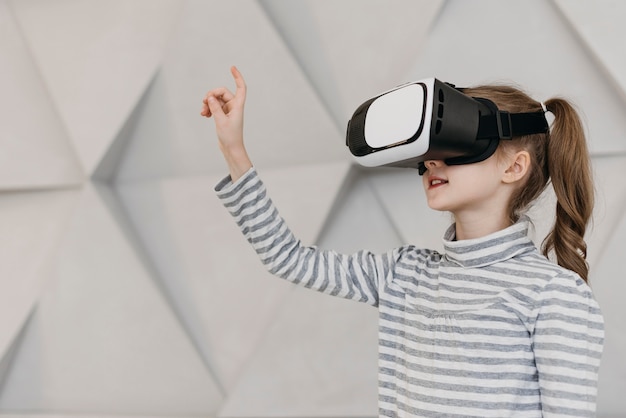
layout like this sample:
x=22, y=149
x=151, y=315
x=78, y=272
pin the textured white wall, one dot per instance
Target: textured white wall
x=125, y=289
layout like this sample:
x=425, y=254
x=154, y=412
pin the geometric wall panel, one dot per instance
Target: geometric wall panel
x=401, y=193
x=102, y=339
x=171, y=139
x=610, y=205
x=347, y=66
x=8, y=358
x=606, y=253
x=96, y=78
x=318, y=358
x=609, y=286
x=31, y=132
x=32, y=224
x=603, y=41
x=536, y=48
x=108, y=166
x=215, y=283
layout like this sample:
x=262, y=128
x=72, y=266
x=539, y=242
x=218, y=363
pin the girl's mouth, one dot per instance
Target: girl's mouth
x=436, y=182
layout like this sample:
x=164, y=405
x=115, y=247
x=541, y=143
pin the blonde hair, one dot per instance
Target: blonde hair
x=559, y=157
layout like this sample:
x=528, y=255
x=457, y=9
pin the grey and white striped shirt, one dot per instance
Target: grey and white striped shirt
x=490, y=328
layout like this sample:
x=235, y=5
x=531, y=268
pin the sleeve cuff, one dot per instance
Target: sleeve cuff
x=227, y=187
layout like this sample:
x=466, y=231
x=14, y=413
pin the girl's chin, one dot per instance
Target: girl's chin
x=438, y=208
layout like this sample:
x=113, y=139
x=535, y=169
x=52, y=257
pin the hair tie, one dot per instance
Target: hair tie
x=543, y=106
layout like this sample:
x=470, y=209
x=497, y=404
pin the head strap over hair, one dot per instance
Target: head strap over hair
x=499, y=125
x=543, y=106
x=504, y=125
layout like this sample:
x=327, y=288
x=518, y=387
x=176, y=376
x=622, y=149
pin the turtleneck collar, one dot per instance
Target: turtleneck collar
x=490, y=249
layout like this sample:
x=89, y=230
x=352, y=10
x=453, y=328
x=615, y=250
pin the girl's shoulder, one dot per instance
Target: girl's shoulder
x=550, y=270
x=558, y=284
x=413, y=254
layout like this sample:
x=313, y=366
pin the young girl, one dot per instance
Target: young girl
x=489, y=328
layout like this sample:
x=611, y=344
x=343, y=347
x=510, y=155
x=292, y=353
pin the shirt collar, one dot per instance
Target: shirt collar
x=490, y=249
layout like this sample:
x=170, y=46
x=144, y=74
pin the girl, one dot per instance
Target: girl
x=489, y=328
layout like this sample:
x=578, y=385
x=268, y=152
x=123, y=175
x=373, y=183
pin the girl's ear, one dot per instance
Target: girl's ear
x=519, y=164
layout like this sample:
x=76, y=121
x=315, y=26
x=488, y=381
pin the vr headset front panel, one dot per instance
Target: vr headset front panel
x=414, y=122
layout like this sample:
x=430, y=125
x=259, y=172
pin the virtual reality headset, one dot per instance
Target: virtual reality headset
x=432, y=120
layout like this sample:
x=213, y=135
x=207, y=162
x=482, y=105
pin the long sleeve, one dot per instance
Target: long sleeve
x=355, y=277
x=567, y=342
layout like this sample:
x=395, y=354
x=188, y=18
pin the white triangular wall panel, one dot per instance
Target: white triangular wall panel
x=103, y=339
x=285, y=122
x=318, y=360
x=352, y=50
x=35, y=149
x=320, y=356
x=603, y=40
x=378, y=49
x=107, y=168
x=610, y=205
x=8, y=357
x=44, y=415
x=475, y=42
x=88, y=415
x=96, y=59
x=32, y=224
x=609, y=286
x=212, y=278
x=401, y=193
x=305, y=195
x=205, y=265
x=301, y=33
x=358, y=220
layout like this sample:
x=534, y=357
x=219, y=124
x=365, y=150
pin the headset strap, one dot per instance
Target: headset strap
x=505, y=125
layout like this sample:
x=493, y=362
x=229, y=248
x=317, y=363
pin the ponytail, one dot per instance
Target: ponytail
x=569, y=167
x=560, y=156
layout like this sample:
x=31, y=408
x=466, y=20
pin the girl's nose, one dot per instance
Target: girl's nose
x=428, y=164
x=434, y=163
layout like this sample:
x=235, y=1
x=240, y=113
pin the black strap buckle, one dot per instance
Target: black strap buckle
x=503, y=120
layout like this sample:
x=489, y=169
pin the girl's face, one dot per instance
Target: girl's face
x=475, y=188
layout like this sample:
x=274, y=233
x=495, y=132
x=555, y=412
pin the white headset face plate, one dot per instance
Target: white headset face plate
x=395, y=117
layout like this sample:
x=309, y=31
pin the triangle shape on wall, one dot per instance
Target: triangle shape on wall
x=112, y=344
x=205, y=265
x=285, y=122
x=107, y=168
x=600, y=39
x=606, y=279
x=461, y=49
x=346, y=67
x=31, y=131
x=34, y=224
x=114, y=49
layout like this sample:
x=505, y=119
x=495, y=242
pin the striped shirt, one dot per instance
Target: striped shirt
x=489, y=328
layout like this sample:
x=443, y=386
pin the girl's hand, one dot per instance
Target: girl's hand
x=227, y=111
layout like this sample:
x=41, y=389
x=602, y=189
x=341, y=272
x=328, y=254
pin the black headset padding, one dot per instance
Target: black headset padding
x=491, y=144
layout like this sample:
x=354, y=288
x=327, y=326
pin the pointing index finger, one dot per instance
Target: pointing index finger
x=239, y=82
